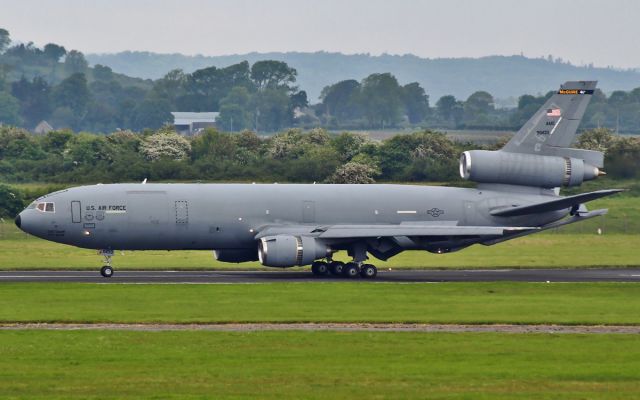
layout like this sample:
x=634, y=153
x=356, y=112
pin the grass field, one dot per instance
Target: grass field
x=518, y=303
x=317, y=365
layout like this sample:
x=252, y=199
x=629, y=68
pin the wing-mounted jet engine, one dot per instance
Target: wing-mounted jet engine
x=289, y=251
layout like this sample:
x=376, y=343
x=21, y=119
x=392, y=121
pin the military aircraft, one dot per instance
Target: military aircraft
x=286, y=225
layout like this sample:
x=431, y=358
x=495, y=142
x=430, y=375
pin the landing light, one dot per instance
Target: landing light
x=86, y=233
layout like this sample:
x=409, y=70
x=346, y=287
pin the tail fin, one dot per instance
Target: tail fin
x=552, y=129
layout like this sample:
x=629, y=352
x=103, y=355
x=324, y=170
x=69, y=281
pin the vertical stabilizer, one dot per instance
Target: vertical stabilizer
x=554, y=126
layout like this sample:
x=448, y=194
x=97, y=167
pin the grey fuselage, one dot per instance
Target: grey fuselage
x=228, y=216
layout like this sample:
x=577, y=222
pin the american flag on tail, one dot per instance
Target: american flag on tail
x=553, y=112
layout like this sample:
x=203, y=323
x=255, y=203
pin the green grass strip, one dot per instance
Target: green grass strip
x=484, y=303
x=316, y=365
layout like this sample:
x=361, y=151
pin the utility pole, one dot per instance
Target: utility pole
x=257, y=115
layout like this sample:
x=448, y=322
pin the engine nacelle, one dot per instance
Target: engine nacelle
x=484, y=166
x=288, y=251
x=236, y=255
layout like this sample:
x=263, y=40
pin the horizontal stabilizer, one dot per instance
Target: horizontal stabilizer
x=559, y=203
x=567, y=221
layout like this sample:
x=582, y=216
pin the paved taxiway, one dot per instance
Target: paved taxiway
x=518, y=275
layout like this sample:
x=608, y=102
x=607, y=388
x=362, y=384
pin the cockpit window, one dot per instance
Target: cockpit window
x=46, y=207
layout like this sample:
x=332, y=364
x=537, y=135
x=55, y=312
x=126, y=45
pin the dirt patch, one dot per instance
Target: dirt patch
x=369, y=327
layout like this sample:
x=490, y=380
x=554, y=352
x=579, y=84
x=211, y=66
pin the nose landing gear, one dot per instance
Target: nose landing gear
x=107, y=270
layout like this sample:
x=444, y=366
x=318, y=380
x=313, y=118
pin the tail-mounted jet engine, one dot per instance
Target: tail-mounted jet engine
x=288, y=251
x=484, y=166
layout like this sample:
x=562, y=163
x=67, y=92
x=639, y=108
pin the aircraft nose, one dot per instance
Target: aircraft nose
x=18, y=221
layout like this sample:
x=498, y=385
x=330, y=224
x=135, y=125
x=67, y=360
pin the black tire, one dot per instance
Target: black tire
x=368, y=271
x=336, y=267
x=350, y=270
x=319, y=268
x=106, y=271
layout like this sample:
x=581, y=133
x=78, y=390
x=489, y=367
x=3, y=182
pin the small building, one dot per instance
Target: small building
x=42, y=128
x=189, y=123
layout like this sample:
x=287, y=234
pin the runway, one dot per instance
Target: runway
x=396, y=276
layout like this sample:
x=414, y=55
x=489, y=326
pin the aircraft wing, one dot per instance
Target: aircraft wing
x=388, y=230
x=559, y=203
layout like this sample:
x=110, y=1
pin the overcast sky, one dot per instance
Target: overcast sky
x=582, y=31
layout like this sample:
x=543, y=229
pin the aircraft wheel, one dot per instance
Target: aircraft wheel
x=319, y=268
x=336, y=267
x=368, y=271
x=106, y=271
x=350, y=270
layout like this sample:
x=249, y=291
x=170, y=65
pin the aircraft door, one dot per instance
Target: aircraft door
x=76, y=212
x=308, y=211
x=470, y=215
x=182, y=212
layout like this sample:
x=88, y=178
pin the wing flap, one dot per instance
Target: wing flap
x=342, y=232
x=560, y=203
x=369, y=231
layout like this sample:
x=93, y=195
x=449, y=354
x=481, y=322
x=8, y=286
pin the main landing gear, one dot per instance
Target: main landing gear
x=340, y=269
x=107, y=270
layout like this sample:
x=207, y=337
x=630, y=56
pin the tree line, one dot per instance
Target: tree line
x=57, y=85
x=292, y=155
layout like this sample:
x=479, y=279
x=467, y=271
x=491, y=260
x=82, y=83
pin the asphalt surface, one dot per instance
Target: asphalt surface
x=222, y=277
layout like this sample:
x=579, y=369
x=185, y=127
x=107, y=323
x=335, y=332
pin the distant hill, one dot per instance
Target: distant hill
x=502, y=76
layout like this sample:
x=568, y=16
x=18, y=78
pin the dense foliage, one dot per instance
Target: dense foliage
x=65, y=158
x=292, y=156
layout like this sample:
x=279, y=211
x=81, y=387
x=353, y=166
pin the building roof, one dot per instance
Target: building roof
x=43, y=127
x=186, y=118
